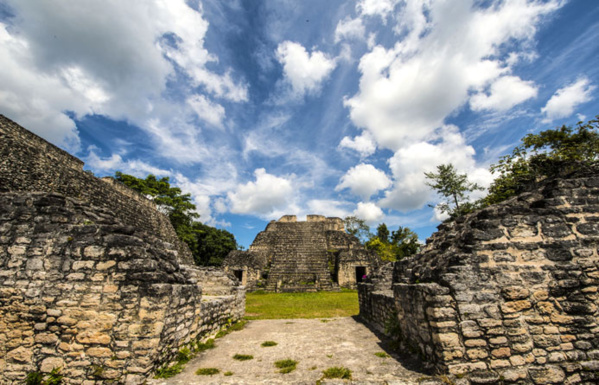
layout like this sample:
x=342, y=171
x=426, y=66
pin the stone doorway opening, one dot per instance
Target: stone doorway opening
x=239, y=275
x=360, y=273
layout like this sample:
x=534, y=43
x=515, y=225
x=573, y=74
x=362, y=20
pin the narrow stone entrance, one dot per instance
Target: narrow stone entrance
x=360, y=273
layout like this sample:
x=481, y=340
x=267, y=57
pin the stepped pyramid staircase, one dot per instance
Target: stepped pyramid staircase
x=300, y=260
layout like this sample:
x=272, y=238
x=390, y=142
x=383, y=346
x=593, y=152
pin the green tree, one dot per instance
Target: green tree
x=170, y=200
x=454, y=187
x=547, y=154
x=406, y=242
x=212, y=244
x=400, y=244
x=357, y=227
x=208, y=245
x=382, y=232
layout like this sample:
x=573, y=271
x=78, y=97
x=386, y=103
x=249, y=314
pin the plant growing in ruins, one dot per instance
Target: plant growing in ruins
x=357, y=227
x=455, y=188
x=266, y=344
x=549, y=153
x=337, y=372
x=286, y=366
x=208, y=245
x=243, y=357
x=207, y=371
x=34, y=378
x=395, y=245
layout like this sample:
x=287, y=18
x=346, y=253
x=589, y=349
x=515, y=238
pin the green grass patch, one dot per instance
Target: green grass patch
x=207, y=371
x=228, y=373
x=239, y=325
x=301, y=305
x=381, y=354
x=203, y=346
x=286, y=366
x=267, y=344
x=243, y=357
x=337, y=372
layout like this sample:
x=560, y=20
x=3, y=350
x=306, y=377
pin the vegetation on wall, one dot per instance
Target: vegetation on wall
x=208, y=244
x=390, y=246
x=544, y=155
x=548, y=154
x=395, y=245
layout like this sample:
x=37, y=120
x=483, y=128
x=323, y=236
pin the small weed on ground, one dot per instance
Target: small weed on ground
x=337, y=372
x=286, y=366
x=330, y=355
x=233, y=328
x=203, y=346
x=243, y=357
x=34, y=378
x=267, y=344
x=229, y=373
x=207, y=371
x=381, y=354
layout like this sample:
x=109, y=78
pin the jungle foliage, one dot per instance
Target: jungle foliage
x=208, y=244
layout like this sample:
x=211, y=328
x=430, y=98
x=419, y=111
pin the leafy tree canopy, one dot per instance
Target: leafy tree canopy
x=546, y=154
x=454, y=187
x=357, y=227
x=208, y=245
x=392, y=247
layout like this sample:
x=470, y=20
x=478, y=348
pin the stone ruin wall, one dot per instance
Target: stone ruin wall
x=29, y=163
x=105, y=297
x=507, y=294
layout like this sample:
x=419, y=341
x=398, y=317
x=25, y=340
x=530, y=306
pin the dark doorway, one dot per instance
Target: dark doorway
x=360, y=273
x=238, y=275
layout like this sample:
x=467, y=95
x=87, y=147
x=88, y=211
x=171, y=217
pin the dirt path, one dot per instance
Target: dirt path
x=314, y=343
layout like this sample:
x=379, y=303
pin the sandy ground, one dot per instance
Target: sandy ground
x=316, y=344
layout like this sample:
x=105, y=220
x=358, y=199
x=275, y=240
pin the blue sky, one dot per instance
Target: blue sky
x=265, y=108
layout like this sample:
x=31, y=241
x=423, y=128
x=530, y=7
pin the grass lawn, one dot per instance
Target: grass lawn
x=260, y=305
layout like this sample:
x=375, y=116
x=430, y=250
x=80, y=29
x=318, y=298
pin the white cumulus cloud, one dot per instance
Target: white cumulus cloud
x=408, y=90
x=565, y=100
x=350, y=29
x=363, y=144
x=504, y=93
x=369, y=212
x=364, y=180
x=305, y=72
x=265, y=197
x=114, y=59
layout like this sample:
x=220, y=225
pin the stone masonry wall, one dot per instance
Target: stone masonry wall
x=509, y=293
x=82, y=291
x=29, y=163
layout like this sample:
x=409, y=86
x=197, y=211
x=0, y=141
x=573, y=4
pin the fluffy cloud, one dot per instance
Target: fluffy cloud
x=363, y=144
x=364, y=180
x=504, y=93
x=565, y=100
x=113, y=59
x=305, y=72
x=327, y=207
x=265, y=197
x=369, y=212
x=409, y=164
x=376, y=7
x=350, y=29
x=451, y=49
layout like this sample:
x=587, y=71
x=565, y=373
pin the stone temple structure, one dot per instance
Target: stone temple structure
x=296, y=256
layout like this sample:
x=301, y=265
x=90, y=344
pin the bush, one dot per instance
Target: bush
x=286, y=366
